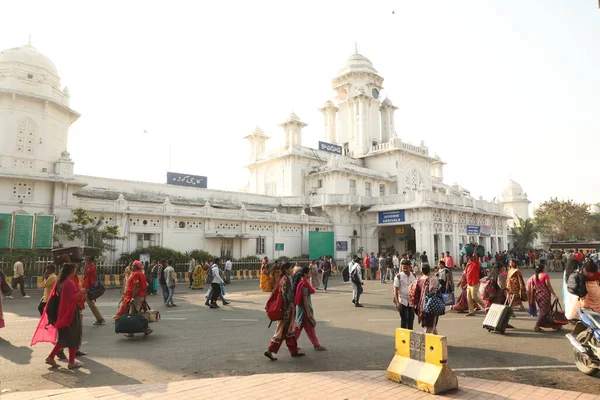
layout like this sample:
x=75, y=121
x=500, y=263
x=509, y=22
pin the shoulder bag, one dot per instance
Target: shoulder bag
x=434, y=302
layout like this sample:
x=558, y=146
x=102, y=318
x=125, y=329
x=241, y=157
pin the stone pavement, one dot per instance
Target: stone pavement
x=343, y=385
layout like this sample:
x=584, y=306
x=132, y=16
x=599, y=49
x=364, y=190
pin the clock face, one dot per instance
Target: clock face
x=375, y=93
x=342, y=94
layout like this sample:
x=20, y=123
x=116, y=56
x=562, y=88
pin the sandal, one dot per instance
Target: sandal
x=75, y=365
x=320, y=348
x=537, y=329
x=269, y=355
x=51, y=362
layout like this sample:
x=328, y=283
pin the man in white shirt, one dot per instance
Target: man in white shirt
x=357, y=282
x=191, y=266
x=170, y=280
x=228, y=269
x=19, y=279
x=402, y=282
x=215, y=283
x=396, y=263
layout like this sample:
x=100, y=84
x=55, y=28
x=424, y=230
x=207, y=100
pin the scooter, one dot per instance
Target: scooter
x=585, y=340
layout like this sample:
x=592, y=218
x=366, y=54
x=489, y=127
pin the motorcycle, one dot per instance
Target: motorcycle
x=585, y=340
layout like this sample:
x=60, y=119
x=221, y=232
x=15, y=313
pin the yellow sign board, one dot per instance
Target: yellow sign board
x=399, y=229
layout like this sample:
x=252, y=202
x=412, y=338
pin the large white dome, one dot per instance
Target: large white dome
x=513, y=192
x=27, y=55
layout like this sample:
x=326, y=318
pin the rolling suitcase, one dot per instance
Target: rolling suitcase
x=131, y=323
x=497, y=318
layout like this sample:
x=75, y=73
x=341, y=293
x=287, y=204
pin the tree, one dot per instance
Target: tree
x=524, y=233
x=562, y=220
x=91, y=233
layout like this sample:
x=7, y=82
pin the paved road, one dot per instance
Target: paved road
x=194, y=341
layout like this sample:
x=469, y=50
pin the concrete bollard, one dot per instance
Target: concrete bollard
x=421, y=361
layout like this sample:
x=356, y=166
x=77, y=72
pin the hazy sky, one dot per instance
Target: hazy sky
x=499, y=89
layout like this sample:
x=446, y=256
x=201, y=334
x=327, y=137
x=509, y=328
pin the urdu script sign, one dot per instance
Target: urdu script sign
x=174, y=178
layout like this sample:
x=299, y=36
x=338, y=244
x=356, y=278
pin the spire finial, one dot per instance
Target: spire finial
x=355, y=48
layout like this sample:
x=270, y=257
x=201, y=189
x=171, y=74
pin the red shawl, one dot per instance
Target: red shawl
x=302, y=284
x=66, y=310
x=594, y=277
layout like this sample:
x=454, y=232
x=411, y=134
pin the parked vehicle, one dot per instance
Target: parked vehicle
x=585, y=340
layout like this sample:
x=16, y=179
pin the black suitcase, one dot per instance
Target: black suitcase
x=131, y=323
x=497, y=318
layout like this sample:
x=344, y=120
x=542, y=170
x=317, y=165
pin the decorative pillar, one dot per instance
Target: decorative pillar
x=330, y=115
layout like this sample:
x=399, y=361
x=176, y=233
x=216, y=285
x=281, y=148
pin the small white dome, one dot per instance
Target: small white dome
x=594, y=209
x=28, y=55
x=358, y=63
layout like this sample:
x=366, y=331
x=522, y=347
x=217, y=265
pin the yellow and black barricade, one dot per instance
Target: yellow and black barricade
x=421, y=361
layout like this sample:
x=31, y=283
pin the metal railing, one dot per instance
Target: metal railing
x=37, y=267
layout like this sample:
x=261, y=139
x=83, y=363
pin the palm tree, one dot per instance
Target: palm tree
x=524, y=233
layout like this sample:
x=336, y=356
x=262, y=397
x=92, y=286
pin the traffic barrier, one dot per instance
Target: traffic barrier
x=115, y=280
x=421, y=361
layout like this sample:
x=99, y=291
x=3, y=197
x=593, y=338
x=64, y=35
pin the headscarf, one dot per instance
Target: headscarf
x=302, y=284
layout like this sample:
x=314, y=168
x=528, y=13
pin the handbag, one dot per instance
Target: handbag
x=5, y=287
x=434, y=302
x=558, y=317
x=449, y=299
x=149, y=314
x=96, y=291
x=533, y=310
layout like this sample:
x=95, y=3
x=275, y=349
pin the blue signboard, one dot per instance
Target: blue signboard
x=341, y=246
x=389, y=217
x=473, y=230
x=330, y=148
x=174, y=178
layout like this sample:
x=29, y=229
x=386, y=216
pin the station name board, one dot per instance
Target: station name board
x=330, y=148
x=390, y=217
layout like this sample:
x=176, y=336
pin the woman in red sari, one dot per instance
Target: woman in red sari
x=305, y=316
x=135, y=291
x=540, y=290
x=68, y=323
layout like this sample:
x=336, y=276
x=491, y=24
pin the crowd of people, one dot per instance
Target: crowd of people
x=418, y=288
x=65, y=296
x=420, y=291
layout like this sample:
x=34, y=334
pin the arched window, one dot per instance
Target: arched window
x=26, y=136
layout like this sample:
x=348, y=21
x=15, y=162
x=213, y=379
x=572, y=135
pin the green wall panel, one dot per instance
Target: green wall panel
x=23, y=232
x=5, y=230
x=320, y=244
x=44, y=230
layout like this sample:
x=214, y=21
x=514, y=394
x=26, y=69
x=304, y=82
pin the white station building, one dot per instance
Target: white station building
x=365, y=184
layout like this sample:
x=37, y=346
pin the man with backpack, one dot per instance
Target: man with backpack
x=402, y=282
x=357, y=282
x=89, y=281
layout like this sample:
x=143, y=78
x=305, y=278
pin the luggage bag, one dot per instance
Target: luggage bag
x=497, y=318
x=131, y=323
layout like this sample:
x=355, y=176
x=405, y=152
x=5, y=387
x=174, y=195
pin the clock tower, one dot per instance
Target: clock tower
x=357, y=125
